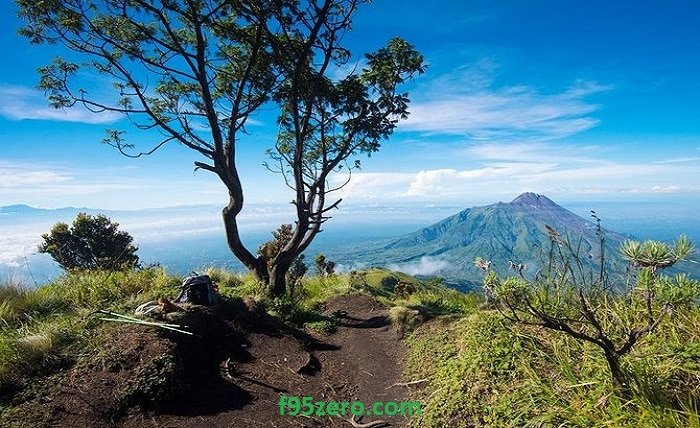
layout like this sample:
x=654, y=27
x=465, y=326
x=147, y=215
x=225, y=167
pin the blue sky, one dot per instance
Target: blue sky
x=579, y=100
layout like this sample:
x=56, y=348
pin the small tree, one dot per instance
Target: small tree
x=357, y=280
x=388, y=282
x=295, y=274
x=613, y=319
x=324, y=267
x=90, y=243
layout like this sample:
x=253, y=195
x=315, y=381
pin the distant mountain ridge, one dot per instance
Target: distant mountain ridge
x=501, y=232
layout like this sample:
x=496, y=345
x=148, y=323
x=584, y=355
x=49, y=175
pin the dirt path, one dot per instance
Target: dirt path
x=360, y=361
x=233, y=378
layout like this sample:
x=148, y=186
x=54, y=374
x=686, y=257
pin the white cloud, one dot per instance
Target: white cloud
x=536, y=152
x=679, y=160
x=448, y=182
x=662, y=189
x=551, y=168
x=24, y=182
x=14, y=178
x=21, y=102
x=465, y=102
x=425, y=266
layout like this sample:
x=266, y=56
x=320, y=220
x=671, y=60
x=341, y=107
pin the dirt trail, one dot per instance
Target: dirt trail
x=359, y=361
x=362, y=360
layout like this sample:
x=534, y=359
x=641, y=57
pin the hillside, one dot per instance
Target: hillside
x=500, y=232
x=60, y=365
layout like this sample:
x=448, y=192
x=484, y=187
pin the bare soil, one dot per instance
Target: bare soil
x=232, y=376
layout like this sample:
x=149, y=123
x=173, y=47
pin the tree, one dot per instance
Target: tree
x=90, y=243
x=586, y=308
x=320, y=263
x=324, y=267
x=179, y=66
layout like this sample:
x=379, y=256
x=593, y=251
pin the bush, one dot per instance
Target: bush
x=90, y=243
x=389, y=282
x=357, y=280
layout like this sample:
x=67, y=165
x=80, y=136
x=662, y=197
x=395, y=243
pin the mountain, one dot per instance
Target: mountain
x=514, y=231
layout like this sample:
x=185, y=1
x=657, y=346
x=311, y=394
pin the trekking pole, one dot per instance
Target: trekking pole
x=132, y=320
x=154, y=324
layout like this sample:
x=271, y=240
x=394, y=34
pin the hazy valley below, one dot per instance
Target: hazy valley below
x=190, y=238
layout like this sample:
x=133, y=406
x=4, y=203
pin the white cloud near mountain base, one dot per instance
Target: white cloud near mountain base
x=424, y=266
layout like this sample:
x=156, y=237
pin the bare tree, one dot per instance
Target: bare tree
x=178, y=66
x=586, y=308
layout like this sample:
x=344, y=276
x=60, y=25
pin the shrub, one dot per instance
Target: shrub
x=357, y=280
x=324, y=267
x=90, y=243
x=388, y=282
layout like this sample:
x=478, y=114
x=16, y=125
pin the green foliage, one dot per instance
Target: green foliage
x=269, y=251
x=100, y=289
x=656, y=255
x=484, y=371
x=405, y=319
x=296, y=273
x=357, y=280
x=90, y=243
x=19, y=305
x=389, y=282
x=404, y=289
x=324, y=267
x=157, y=383
x=313, y=291
x=44, y=329
x=299, y=315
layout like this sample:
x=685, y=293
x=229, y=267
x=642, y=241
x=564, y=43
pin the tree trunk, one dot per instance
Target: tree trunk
x=277, y=283
x=256, y=265
x=619, y=378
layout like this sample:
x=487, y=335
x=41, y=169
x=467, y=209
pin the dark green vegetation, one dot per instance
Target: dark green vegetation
x=501, y=232
x=90, y=243
x=198, y=71
x=485, y=371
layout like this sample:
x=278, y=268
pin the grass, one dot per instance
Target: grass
x=50, y=327
x=481, y=370
x=484, y=371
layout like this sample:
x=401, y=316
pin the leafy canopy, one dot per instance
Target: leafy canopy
x=90, y=243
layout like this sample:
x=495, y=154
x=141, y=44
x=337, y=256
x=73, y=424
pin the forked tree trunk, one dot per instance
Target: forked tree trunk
x=274, y=276
x=233, y=238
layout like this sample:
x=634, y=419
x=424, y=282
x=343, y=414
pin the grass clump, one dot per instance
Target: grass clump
x=50, y=327
x=404, y=319
x=19, y=305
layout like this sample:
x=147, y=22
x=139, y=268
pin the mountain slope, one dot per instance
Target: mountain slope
x=502, y=232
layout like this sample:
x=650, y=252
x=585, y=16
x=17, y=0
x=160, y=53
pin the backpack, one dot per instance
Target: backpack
x=198, y=290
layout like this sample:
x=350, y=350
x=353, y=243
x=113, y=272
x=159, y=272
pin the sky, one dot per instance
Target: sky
x=579, y=100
